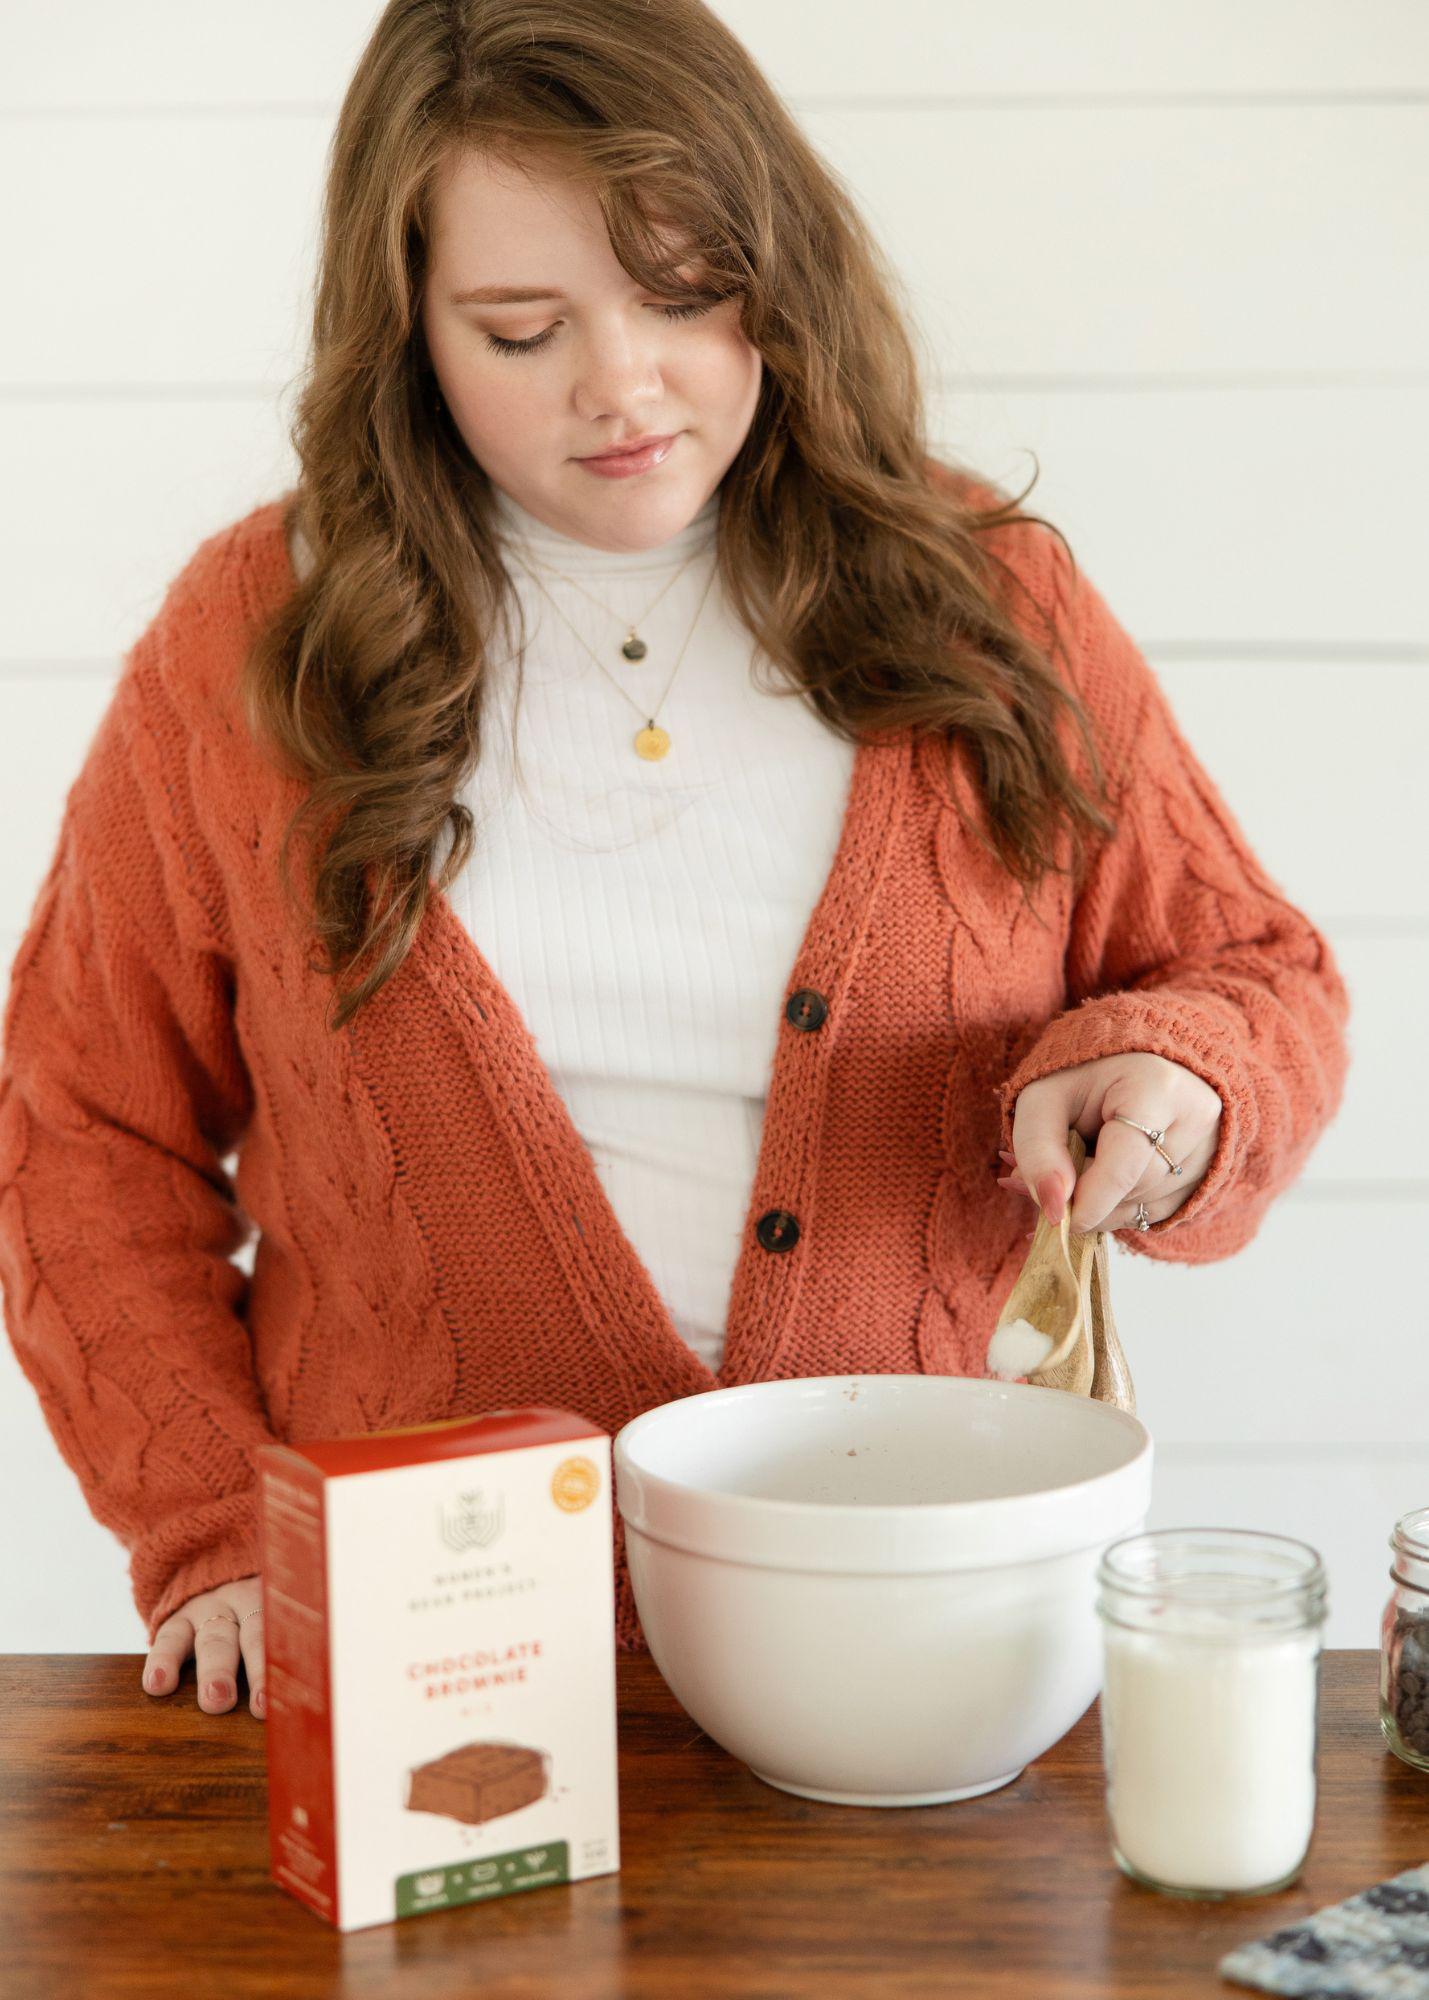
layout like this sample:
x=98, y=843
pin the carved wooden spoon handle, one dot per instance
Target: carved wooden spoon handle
x=1072, y=1363
x=1111, y=1379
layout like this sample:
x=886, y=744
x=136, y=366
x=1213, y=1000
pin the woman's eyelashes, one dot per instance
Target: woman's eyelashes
x=499, y=346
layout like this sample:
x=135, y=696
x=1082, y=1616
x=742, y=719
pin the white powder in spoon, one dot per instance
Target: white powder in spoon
x=1017, y=1349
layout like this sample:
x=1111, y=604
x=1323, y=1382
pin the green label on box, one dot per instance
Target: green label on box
x=476, y=1881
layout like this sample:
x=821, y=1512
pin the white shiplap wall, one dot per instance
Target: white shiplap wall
x=1176, y=252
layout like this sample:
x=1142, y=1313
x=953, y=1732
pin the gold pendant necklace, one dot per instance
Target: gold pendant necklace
x=633, y=647
x=652, y=742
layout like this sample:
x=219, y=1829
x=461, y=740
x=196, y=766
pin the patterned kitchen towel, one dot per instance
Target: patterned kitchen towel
x=1373, y=1946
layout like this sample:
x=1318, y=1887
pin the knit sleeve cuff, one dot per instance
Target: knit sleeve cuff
x=208, y=1546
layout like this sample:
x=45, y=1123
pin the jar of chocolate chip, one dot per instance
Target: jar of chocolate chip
x=1404, y=1644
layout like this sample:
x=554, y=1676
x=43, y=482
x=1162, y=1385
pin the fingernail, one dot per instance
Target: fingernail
x=1053, y=1201
x=154, y=1679
x=217, y=1690
x=260, y=1701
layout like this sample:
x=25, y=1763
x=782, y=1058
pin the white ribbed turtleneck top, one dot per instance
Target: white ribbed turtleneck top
x=645, y=916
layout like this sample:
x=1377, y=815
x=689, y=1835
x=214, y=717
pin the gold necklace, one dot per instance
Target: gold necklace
x=633, y=647
x=651, y=742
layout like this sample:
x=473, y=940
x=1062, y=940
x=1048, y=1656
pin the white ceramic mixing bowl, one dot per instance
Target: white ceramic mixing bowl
x=879, y=1589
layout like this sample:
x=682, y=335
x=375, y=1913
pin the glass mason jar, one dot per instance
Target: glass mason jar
x=1210, y=1707
x=1404, y=1643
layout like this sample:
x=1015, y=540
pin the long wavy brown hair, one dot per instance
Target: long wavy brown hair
x=855, y=559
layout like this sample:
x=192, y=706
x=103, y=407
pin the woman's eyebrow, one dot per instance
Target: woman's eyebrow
x=507, y=295
x=504, y=295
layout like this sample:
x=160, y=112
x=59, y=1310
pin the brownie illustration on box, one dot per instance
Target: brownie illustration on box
x=479, y=1781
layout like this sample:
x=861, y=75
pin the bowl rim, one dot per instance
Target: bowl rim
x=909, y=1535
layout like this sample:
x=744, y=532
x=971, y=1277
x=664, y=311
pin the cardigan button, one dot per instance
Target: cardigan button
x=777, y=1229
x=807, y=1009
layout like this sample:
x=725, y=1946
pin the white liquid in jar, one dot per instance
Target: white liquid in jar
x=1209, y=1745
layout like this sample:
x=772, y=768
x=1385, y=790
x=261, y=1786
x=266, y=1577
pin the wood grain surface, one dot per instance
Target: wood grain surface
x=134, y=1850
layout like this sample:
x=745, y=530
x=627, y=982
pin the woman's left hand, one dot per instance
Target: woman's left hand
x=1126, y=1168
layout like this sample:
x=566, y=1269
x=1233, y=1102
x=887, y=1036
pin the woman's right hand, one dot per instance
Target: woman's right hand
x=209, y=1627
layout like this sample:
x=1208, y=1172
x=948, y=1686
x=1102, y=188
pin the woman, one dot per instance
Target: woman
x=714, y=851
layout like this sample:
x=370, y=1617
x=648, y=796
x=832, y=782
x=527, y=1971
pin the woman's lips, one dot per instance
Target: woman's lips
x=625, y=464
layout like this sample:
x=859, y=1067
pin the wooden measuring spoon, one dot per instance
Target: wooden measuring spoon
x=1061, y=1293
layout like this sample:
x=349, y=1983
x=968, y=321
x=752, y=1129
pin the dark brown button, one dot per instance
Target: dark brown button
x=777, y=1229
x=807, y=1009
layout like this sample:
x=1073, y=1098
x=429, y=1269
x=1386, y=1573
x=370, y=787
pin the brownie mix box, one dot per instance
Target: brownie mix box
x=439, y=1621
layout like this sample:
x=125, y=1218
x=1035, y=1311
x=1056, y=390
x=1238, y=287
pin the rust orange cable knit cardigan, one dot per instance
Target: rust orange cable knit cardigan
x=433, y=1238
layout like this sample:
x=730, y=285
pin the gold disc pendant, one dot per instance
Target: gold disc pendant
x=651, y=742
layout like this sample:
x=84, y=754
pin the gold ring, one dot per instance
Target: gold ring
x=1154, y=1137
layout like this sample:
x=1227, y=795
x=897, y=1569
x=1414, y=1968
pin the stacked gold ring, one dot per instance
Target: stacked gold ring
x=1154, y=1137
x=1141, y=1218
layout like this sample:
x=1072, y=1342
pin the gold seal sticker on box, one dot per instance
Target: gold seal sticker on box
x=574, y=1484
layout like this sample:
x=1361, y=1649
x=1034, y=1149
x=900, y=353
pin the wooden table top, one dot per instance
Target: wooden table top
x=134, y=1861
